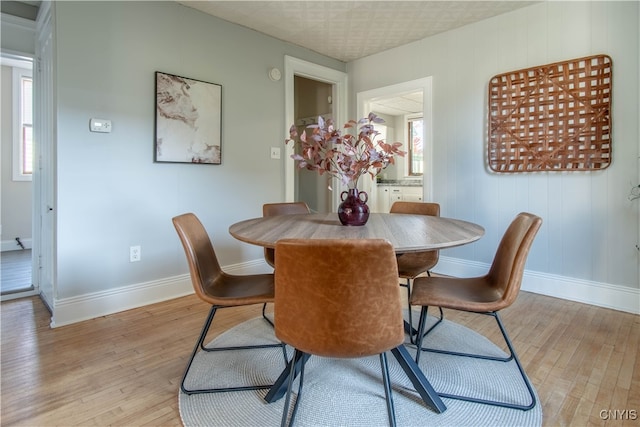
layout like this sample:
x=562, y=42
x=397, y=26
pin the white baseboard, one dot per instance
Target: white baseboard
x=89, y=306
x=616, y=297
x=96, y=304
x=12, y=245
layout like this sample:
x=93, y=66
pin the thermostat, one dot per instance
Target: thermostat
x=100, y=125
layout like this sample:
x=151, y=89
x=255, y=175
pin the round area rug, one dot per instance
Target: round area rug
x=349, y=392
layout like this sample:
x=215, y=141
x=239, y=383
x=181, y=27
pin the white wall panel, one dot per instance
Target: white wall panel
x=590, y=228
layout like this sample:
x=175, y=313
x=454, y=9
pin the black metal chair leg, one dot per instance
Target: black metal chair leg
x=440, y=319
x=412, y=331
x=409, y=325
x=472, y=355
x=420, y=335
x=200, y=345
x=287, y=400
x=387, y=389
x=421, y=332
x=512, y=355
x=292, y=375
x=518, y=364
x=264, y=315
x=298, y=355
x=203, y=334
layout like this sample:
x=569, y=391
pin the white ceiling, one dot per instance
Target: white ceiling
x=400, y=105
x=348, y=30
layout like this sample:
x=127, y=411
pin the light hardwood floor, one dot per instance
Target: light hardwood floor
x=16, y=271
x=124, y=369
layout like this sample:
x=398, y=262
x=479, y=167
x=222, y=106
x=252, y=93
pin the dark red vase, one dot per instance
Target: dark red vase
x=353, y=210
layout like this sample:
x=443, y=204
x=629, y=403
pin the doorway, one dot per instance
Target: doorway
x=312, y=99
x=399, y=104
x=16, y=264
x=326, y=82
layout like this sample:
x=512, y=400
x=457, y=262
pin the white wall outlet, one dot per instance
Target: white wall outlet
x=100, y=125
x=275, y=152
x=134, y=254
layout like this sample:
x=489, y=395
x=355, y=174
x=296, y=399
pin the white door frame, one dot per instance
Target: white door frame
x=338, y=79
x=365, y=97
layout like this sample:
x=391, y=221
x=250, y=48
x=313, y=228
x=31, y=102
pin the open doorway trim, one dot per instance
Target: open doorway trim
x=364, y=98
x=298, y=67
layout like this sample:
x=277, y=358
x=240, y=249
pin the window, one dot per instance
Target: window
x=23, y=124
x=415, y=134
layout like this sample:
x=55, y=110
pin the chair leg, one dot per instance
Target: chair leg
x=421, y=332
x=200, y=345
x=475, y=356
x=440, y=319
x=285, y=413
x=420, y=335
x=292, y=376
x=518, y=364
x=264, y=315
x=512, y=355
x=387, y=389
x=409, y=328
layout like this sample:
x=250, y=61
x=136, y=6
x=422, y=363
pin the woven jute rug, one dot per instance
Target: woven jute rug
x=349, y=392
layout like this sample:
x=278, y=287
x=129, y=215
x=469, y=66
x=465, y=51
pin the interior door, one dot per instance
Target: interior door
x=43, y=173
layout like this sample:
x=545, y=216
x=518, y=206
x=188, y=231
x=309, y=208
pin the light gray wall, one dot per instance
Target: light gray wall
x=590, y=227
x=16, y=195
x=110, y=194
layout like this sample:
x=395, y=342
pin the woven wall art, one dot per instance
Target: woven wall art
x=554, y=117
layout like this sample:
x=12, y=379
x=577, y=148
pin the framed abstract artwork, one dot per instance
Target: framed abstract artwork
x=554, y=117
x=188, y=120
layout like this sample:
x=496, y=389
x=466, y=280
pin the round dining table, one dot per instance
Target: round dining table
x=406, y=232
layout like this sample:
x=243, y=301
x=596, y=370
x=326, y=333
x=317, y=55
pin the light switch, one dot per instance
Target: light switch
x=275, y=152
x=100, y=125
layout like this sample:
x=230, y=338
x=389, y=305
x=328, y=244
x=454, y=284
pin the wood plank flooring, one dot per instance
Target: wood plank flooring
x=124, y=369
x=16, y=271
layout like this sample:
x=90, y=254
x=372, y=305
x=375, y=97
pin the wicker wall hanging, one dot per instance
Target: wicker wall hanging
x=554, y=117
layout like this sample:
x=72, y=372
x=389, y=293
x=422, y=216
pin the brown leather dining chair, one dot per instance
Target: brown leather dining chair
x=486, y=295
x=411, y=265
x=337, y=298
x=273, y=209
x=220, y=290
x=285, y=208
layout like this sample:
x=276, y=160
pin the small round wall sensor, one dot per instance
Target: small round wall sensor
x=274, y=74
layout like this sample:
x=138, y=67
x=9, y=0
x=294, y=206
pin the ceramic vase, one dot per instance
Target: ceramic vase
x=353, y=210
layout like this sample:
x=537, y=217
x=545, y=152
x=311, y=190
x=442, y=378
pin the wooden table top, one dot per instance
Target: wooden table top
x=407, y=233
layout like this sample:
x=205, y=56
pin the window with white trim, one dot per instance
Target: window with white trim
x=22, y=124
